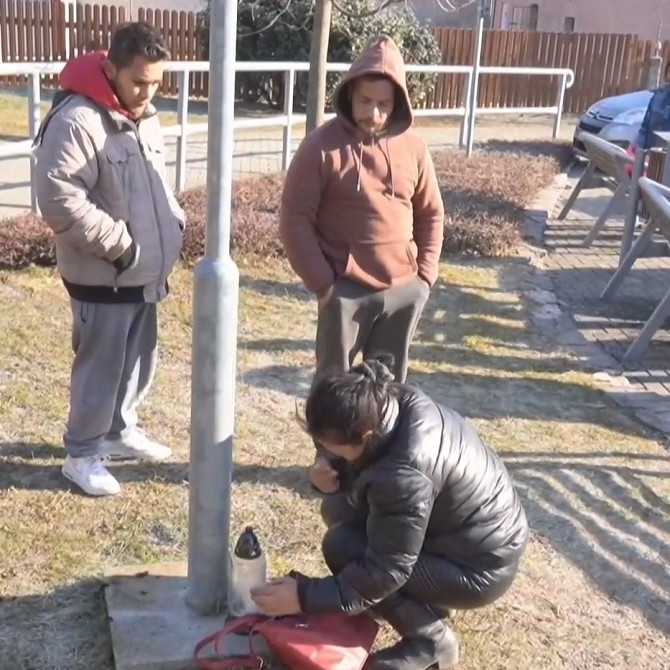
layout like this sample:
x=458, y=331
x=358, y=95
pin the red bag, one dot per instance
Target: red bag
x=303, y=642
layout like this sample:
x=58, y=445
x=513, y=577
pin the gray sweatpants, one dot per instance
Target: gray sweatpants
x=357, y=320
x=114, y=364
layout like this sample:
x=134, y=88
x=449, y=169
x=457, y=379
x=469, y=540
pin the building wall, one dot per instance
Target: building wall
x=637, y=17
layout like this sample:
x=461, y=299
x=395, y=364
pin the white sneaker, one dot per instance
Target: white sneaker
x=90, y=475
x=136, y=445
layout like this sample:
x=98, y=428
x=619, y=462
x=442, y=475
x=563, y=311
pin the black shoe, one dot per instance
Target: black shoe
x=431, y=651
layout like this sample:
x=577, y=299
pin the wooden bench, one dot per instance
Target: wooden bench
x=656, y=199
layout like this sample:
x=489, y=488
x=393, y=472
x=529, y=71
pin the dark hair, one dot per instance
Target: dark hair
x=137, y=39
x=350, y=404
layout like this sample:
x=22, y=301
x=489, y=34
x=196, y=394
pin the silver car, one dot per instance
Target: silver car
x=616, y=119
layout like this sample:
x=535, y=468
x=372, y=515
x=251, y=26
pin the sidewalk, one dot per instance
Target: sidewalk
x=578, y=276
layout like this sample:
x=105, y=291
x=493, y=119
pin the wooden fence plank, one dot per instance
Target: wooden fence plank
x=96, y=36
x=20, y=31
x=113, y=17
x=30, y=32
x=105, y=28
x=37, y=31
x=4, y=31
x=11, y=22
x=508, y=59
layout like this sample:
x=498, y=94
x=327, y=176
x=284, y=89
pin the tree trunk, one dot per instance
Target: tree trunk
x=318, y=57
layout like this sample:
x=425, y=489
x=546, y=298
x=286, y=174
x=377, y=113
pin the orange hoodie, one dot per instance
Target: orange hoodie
x=365, y=208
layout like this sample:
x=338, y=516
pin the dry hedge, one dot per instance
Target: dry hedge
x=484, y=197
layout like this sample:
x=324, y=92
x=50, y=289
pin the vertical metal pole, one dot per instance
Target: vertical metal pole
x=465, y=123
x=34, y=118
x=214, y=339
x=474, y=88
x=560, y=104
x=182, y=141
x=289, y=84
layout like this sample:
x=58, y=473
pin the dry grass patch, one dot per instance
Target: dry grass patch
x=595, y=484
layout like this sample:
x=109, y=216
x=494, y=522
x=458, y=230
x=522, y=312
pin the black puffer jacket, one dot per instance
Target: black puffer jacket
x=431, y=486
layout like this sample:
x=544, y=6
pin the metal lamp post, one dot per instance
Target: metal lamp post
x=214, y=339
x=474, y=84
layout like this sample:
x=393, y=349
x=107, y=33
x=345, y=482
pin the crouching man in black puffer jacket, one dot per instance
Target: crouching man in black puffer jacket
x=426, y=519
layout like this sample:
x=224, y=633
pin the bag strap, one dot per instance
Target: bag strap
x=252, y=661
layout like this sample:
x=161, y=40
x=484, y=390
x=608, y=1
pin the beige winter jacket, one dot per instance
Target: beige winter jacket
x=100, y=180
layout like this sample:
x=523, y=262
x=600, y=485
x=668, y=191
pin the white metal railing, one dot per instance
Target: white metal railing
x=288, y=119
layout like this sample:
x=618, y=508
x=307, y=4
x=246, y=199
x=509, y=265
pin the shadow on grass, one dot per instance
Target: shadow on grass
x=65, y=628
x=274, y=288
x=605, y=519
x=25, y=468
x=26, y=471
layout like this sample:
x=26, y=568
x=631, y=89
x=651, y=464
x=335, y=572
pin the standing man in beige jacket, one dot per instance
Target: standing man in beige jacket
x=101, y=187
x=362, y=217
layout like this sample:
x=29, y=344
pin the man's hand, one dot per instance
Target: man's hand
x=324, y=296
x=324, y=476
x=125, y=260
x=278, y=597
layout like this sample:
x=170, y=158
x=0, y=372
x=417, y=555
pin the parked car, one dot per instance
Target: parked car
x=616, y=119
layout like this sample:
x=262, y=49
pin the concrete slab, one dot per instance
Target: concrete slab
x=152, y=627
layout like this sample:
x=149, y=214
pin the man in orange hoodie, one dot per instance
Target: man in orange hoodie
x=362, y=217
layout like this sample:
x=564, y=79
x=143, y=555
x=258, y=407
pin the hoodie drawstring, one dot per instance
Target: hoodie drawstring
x=358, y=159
x=359, y=165
x=390, y=162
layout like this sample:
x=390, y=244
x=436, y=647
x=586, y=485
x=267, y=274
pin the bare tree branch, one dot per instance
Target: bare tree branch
x=269, y=25
x=449, y=6
x=383, y=4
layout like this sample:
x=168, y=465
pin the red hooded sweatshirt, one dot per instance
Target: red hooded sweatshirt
x=365, y=208
x=85, y=76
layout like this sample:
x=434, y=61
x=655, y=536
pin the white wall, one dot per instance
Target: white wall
x=636, y=17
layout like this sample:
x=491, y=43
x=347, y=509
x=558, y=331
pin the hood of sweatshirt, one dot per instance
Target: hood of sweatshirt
x=382, y=57
x=85, y=76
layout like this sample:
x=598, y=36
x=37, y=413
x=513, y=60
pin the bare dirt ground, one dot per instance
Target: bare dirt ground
x=593, y=589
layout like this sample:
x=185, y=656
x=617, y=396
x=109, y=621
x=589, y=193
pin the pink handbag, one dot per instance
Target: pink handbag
x=303, y=642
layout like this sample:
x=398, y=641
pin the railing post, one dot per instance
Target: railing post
x=560, y=104
x=474, y=93
x=632, y=206
x=182, y=140
x=34, y=119
x=289, y=85
x=465, y=124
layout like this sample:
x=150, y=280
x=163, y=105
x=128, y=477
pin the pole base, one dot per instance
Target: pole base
x=151, y=625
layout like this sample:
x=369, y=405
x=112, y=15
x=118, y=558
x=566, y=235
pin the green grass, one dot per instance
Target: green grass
x=594, y=483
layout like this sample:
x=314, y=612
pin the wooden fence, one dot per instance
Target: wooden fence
x=35, y=30
x=603, y=65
